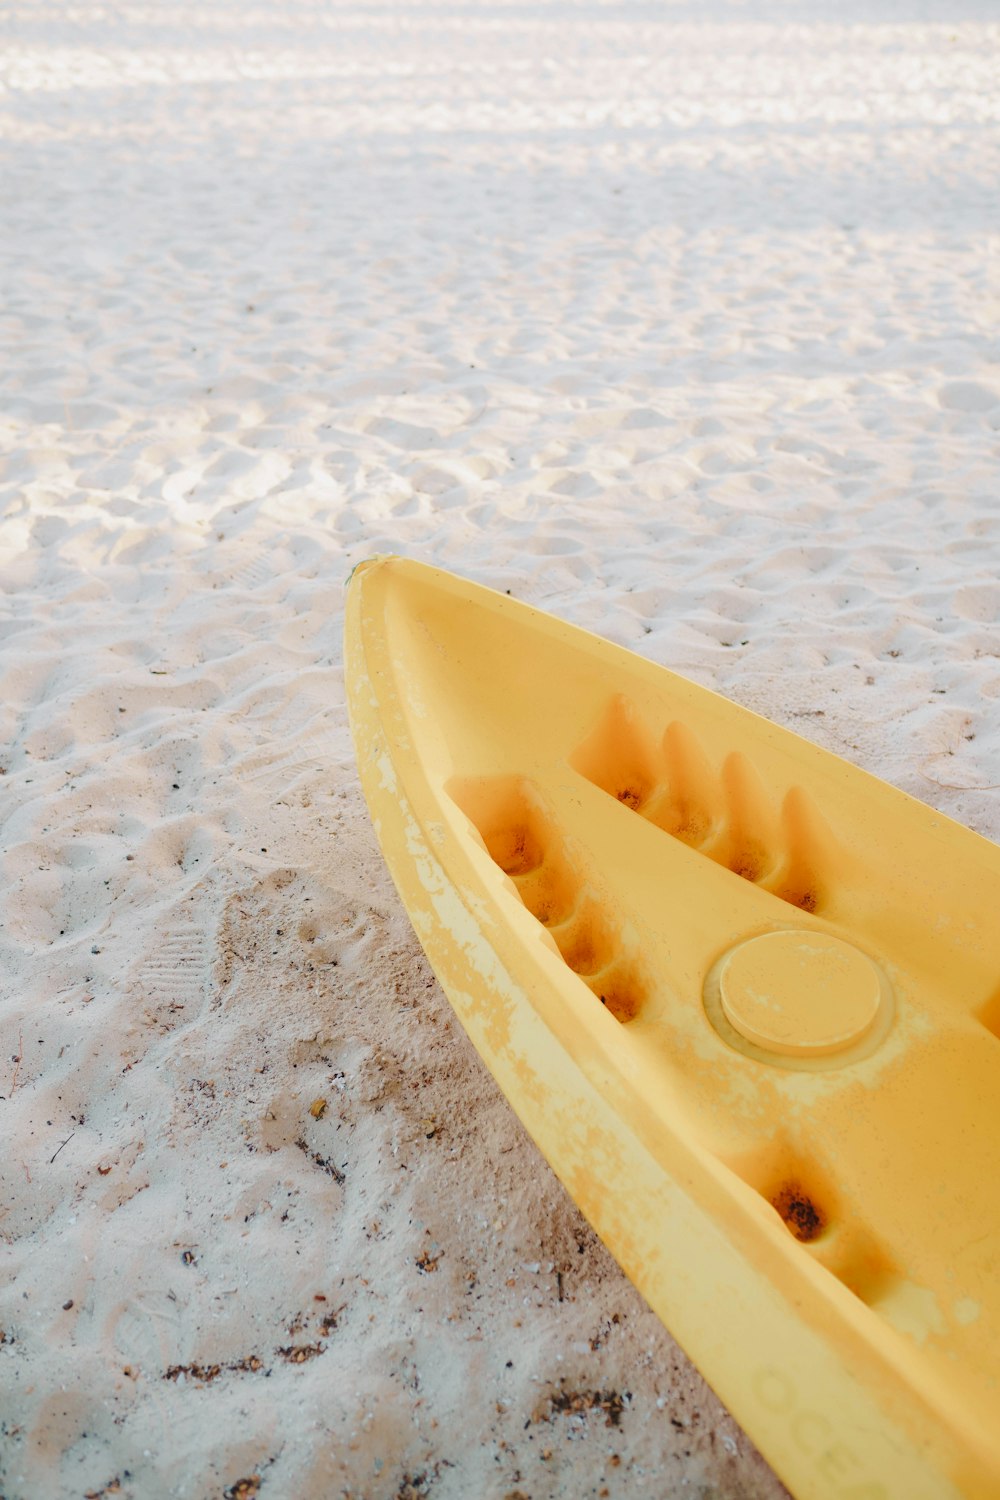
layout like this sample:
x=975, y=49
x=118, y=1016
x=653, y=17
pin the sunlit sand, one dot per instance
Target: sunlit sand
x=676, y=320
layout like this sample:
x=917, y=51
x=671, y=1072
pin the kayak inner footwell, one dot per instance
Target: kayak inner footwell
x=521, y=838
x=826, y=1185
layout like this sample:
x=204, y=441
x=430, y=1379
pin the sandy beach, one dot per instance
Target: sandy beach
x=677, y=320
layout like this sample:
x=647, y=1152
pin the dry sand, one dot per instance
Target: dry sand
x=679, y=320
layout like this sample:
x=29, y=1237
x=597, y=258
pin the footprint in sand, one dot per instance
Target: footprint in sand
x=968, y=396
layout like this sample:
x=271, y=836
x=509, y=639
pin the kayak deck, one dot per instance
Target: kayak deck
x=773, y=977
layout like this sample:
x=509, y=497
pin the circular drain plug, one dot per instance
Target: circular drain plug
x=800, y=995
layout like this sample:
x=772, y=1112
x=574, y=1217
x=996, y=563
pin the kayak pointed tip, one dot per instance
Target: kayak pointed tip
x=367, y=563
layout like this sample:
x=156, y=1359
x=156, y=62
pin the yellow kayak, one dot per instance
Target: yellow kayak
x=744, y=996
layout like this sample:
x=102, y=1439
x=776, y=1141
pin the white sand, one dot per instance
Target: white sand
x=677, y=319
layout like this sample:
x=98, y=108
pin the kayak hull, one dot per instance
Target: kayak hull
x=828, y=1390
